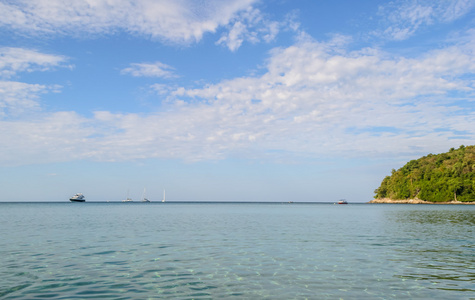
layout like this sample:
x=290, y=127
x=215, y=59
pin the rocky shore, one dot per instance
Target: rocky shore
x=413, y=201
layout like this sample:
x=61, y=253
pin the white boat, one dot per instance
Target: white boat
x=78, y=198
x=342, y=201
x=127, y=199
x=163, y=200
x=144, y=197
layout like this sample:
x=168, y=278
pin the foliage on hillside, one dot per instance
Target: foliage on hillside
x=437, y=178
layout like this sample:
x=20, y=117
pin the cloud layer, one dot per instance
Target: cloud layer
x=181, y=21
x=316, y=99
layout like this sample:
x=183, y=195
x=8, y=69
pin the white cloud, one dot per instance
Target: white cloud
x=404, y=18
x=45, y=138
x=16, y=60
x=180, y=21
x=453, y=10
x=312, y=96
x=156, y=69
x=316, y=99
x=17, y=97
x=251, y=26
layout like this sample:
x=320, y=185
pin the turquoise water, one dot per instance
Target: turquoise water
x=240, y=251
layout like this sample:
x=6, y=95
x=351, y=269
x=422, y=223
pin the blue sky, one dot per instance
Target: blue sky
x=228, y=100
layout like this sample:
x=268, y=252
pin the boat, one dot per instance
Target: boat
x=127, y=199
x=342, y=201
x=144, y=198
x=78, y=198
x=163, y=200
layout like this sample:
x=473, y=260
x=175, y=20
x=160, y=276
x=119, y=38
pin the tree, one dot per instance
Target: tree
x=441, y=177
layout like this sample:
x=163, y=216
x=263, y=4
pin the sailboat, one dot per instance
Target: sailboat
x=144, y=198
x=163, y=200
x=127, y=199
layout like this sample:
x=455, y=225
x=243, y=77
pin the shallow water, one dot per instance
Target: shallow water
x=241, y=251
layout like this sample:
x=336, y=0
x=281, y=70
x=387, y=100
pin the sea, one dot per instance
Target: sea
x=236, y=251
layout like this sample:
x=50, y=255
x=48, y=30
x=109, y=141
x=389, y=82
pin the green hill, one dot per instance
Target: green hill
x=442, y=177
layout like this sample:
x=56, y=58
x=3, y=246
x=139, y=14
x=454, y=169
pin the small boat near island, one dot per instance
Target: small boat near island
x=79, y=197
x=342, y=201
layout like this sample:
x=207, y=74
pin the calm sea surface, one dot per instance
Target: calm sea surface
x=240, y=251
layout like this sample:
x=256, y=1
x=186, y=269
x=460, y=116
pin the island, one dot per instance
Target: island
x=446, y=178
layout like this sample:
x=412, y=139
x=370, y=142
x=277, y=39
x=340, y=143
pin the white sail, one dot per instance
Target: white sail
x=127, y=199
x=144, y=196
x=163, y=200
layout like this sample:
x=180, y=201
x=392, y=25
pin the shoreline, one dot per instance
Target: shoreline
x=414, y=201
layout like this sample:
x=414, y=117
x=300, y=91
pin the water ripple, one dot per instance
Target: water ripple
x=237, y=251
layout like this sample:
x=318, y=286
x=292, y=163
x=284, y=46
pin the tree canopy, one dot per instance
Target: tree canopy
x=442, y=177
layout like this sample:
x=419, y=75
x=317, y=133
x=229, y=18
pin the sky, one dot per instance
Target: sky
x=237, y=100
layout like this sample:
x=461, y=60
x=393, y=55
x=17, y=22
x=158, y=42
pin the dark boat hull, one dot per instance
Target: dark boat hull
x=77, y=200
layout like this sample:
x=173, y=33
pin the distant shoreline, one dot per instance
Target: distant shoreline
x=412, y=201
